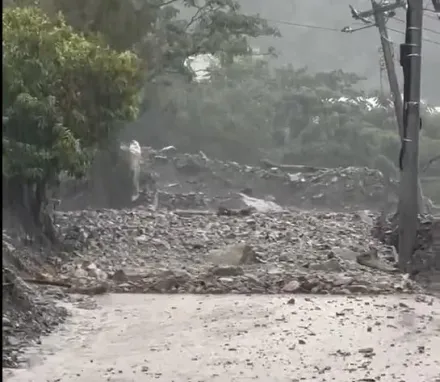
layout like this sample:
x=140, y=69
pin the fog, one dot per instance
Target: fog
x=325, y=50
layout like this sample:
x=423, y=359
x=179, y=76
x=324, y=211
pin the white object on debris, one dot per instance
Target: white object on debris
x=168, y=149
x=203, y=155
x=134, y=161
x=135, y=149
x=261, y=205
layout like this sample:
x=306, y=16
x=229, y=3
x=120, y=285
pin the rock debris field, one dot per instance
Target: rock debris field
x=207, y=228
x=190, y=252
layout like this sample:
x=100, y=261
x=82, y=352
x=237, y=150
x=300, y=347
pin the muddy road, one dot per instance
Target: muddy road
x=127, y=337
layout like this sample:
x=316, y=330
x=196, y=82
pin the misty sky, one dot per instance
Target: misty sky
x=328, y=50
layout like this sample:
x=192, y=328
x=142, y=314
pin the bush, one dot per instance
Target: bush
x=63, y=96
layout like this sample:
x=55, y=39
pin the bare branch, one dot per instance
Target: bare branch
x=196, y=16
x=165, y=3
x=430, y=162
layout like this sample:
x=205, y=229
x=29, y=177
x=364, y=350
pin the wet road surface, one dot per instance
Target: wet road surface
x=243, y=338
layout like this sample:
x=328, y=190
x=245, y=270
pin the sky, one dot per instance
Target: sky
x=328, y=49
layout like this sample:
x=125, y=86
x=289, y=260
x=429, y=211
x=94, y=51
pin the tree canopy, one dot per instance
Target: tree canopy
x=63, y=96
x=72, y=79
x=166, y=32
x=293, y=115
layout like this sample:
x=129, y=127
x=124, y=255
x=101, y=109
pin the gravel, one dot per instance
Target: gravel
x=27, y=312
x=204, y=226
x=162, y=251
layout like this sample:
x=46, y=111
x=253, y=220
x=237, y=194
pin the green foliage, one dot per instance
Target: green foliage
x=221, y=116
x=62, y=94
x=165, y=32
x=245, y=110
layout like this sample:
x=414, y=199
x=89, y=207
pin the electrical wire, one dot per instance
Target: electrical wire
x=425, y=29
x=319, y=27
x=432, y=17
x=425, y=8
x=423, y=39
x=303, y=25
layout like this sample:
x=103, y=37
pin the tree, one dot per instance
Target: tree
x=244, y=110
x=64, y=96
x=166, y=32
x=227, y=116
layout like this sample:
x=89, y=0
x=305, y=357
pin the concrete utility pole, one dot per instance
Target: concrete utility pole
x=436, y=5
x=378, y=12
x=379, y=19
x=411, y=61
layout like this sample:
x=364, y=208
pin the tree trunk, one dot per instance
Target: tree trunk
x=27, y=204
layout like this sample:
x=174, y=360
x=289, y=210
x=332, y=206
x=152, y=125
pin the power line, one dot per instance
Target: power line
x=431, y=17
x=425, y=29
x=426, y=9
x=345, y=30
x=424, y=39
x=304, y=25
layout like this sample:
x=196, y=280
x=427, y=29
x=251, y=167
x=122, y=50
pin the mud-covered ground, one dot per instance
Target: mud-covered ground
x=196, y=181
x=27, y=312
x=205, y=227
x=242, y=338
x=176, y=252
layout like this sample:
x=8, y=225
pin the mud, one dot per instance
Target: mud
x=196, y=181
x=163, y=252
x=239, y=338
x=186, y=232
x=27, y=312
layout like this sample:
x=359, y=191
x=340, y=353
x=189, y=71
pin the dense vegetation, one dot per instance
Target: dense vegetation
x=63, y=95
x=245, y=110
x=292, y=114
x=74, y=73
x=71, y=82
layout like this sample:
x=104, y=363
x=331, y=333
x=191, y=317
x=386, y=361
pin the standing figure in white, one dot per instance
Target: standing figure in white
x=132, y=156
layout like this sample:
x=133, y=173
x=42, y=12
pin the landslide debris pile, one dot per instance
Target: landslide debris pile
x=178, y=180
x=26, y=311
x=141, y=250
x=427, y=252
x=304, y=187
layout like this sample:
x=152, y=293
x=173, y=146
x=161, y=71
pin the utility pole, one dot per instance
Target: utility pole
x=411, y=61
x=378, y=12
x=410, y=201
x=436, y=5
x=379, y=19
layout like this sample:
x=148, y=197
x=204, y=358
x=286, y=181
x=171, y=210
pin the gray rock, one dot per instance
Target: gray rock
x=6, y=322
x=13, y=341
x=236, y=254
x=331, y=265
x=225, y=270
x=345, y=254
x=119, y=276
x=357, y=288
x=291, y=287
x=340, y=280
x=372, y=260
